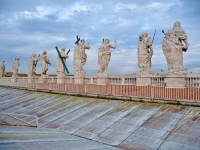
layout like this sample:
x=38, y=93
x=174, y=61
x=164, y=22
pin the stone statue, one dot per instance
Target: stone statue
x=44, y=62
x=60, y=67
x=104, y=56
x=15, y=67
x=80, y=58
x=145, y=52
x=2, y=69
x=32, y=65
x=173, y=45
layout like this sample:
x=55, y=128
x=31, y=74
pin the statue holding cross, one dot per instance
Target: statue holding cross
x=80, y=57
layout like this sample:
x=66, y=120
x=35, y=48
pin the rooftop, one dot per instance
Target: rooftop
x=70, y=122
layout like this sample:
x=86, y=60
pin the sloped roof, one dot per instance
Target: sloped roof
x=106, y=123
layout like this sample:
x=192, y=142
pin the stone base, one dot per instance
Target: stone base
x=144, y=73
x=175, y=81
x=181, y=71
x=43, y=78
x=79, y=77
x=31, y=79
x=102, y=78
x=102, y=81
x=14, y=79
x=79, y=80
x=145, y=81
x=144, y=78
x=61, y=78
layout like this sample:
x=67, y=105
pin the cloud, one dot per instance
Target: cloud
x=35, y=26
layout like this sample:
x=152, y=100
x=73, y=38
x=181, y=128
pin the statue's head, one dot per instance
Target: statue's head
x=44, y=53
x=177, y=24
x=17, y=59
x=33, y=54
x=144, y=34
x=107, y=41
x=3, y=61
x=63, y=48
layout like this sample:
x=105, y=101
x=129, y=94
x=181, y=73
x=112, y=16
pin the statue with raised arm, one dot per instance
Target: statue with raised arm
x=31, y=65
x=174, y=44
x=104, y=56
x=80, y=58
x=2, y=69
x=145, y=52
x=15, y=66
x=44, y=62
x=60, y=67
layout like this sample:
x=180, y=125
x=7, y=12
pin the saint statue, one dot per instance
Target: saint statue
x=2, y=69
x=80, y=58
x=104, y=56
x=32, y=65
x=15, y=67
x=174, y=44
x=60, y=67
x=145, y=52
x=44, y=62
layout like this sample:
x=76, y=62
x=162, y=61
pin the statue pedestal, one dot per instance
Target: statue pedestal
x=31, y=79
x=61, y=77
x=144, y=78
x=102, y=78
x=14, y=79
x=79, y=77
x=43, y=78
x=175, y=80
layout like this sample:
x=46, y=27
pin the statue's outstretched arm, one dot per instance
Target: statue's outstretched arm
x=87, y=46
x=113, y=45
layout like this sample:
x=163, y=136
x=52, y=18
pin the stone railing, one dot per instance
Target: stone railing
x=192, y=80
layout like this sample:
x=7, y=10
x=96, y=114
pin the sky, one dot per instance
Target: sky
x=35, y=26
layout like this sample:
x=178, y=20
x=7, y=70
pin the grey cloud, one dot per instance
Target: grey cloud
x=58, y=24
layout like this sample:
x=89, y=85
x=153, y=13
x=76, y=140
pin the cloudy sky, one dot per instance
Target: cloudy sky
x=28, y=26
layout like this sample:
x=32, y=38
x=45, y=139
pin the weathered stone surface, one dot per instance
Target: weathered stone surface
x=15, y=66
x=31, y=66
x=175, y=80
x=43, y=78
x=2, y=68
x=80, y=58
x=144, y=81
x=174, y=43
x=44, y=62
x=60, y=68
x=145, y=53
x=103, y=61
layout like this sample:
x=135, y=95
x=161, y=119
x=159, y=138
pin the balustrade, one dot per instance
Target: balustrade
x=192, y=80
